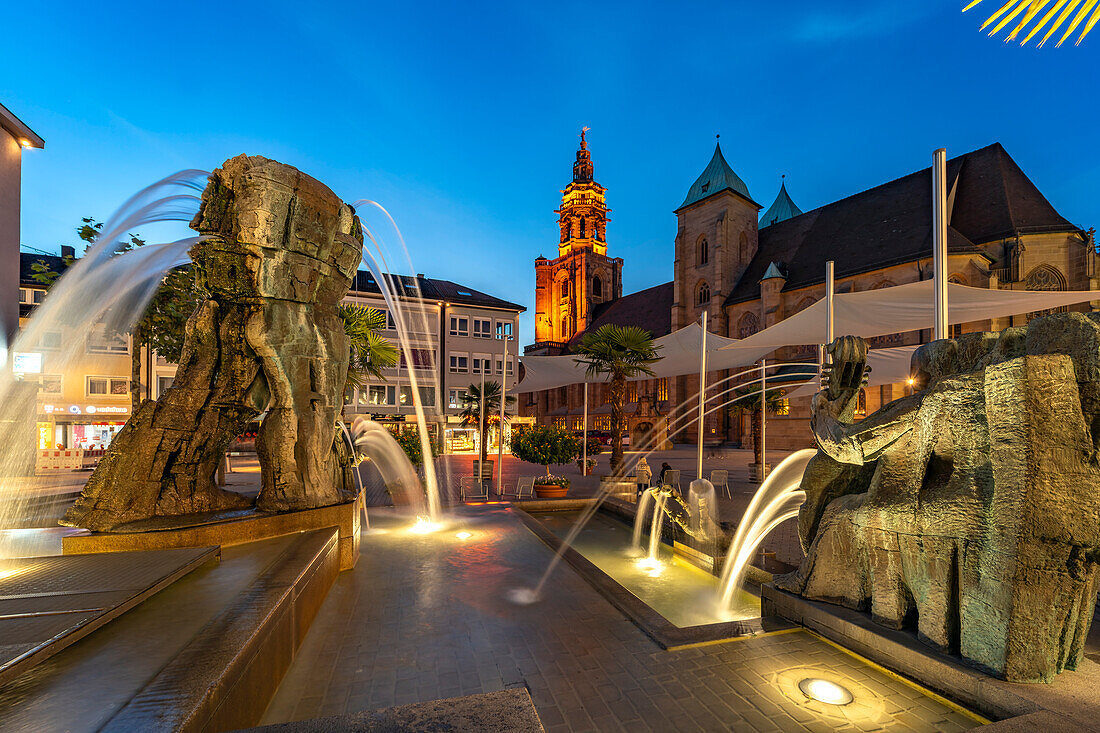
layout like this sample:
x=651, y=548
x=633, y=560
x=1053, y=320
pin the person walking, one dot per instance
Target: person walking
x=643, y=474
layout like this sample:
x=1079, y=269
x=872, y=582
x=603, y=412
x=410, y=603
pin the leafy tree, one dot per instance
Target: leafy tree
x=471, y=410
x=409, y=440
x=370, y=351
x=545, y=445
x=163, y=324
x=748, y=399
x=622, y=353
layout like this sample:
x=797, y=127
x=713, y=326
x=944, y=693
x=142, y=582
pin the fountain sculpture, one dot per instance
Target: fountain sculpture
x=279, y=252
x=972, y=506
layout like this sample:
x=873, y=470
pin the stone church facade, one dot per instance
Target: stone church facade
x=749, y=271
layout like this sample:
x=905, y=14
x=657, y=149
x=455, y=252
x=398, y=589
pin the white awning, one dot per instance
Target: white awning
x=866, y=313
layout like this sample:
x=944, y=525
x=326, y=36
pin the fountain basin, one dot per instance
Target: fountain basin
x=224, y=529
x=677, y=611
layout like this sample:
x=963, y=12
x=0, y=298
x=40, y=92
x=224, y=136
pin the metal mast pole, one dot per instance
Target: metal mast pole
x=829, y=289
x=702, y=394
x=481, y=449
x=939, y=241
x=584, y=426
x=503, y=394
x=763, y=419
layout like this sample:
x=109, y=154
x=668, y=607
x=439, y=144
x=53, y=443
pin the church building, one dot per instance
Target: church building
x=749, y=270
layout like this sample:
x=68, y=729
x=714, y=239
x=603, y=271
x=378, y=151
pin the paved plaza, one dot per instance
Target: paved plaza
x=425, y=617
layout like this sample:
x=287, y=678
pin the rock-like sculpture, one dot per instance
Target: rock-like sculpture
x=972, y=507
x=279, y=254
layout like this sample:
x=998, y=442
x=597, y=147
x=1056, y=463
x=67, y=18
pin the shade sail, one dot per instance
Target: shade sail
x=888, y=366
x=866, y=313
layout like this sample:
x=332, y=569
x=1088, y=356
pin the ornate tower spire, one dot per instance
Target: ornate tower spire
x=582, y=168
x=583, y=213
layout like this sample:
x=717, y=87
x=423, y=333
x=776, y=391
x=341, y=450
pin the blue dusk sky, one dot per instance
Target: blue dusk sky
x=462, y=118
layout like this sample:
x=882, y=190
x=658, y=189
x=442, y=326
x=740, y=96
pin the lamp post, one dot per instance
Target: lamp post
x=505, y=338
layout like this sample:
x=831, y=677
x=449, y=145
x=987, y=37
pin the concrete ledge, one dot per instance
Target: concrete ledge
x=1071, y=699
x=236, y=530
x=504, y=711
x=60, y=600
x=225, y=677
x=553, y=505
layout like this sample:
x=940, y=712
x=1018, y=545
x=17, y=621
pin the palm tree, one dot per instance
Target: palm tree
x=370, y=351
x=622, y=353
x=1012, y=8
x=748, y=398
x=471, y=410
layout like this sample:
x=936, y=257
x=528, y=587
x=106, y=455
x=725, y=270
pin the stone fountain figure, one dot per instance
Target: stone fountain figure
x=970, y=508
x=279, y=254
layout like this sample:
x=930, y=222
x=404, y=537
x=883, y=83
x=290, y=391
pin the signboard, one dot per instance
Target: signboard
x=26, y=362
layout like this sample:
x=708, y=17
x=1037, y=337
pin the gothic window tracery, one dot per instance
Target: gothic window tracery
x=597, y=287
x=704, y=251
x=702, y=294
x=743, y=248
x=748, y=325
x=1045, y=277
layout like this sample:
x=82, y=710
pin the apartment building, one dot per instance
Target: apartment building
x=455, y=336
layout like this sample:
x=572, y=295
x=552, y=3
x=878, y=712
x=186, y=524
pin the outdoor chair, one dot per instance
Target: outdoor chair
x=471, y=487
x=525, y=487
x=720, y=479
x=672, y=478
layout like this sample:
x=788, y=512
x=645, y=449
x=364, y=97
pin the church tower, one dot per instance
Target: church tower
x=582, y=276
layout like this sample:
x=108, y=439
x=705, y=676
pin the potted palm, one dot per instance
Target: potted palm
x=620, y=353
x=546, y=446
x=472, y=413
x=748, y=400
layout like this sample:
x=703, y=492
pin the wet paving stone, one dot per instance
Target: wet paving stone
x=426, y=615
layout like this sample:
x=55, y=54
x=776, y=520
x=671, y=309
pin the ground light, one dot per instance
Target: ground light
x=423, y=526
x=825, y=691
x=464, y=535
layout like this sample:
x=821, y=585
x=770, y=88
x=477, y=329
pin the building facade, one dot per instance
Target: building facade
x=749, y=271
x=15, y=137
x=455, y=336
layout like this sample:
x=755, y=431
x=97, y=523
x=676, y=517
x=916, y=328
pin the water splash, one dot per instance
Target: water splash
x=777, y=500
x=104, y=292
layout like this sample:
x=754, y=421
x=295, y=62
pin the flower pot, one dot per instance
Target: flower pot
x=551, y=491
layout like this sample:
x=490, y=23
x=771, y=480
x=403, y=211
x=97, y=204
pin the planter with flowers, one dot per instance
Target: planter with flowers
x=546, y=446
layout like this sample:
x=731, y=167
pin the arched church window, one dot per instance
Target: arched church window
x=804, y=304
x=597, y=287
x=702, y=295
x=582, y=227
x=861, y=404
x=704, y=251
x=1045, y=277
x=743, y=248
x=565, y=328
x=748, y=325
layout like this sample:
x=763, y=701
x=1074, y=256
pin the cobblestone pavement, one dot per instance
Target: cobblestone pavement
x=425, y=617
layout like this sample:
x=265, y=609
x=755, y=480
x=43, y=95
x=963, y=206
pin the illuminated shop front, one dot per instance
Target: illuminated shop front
x=80, y=427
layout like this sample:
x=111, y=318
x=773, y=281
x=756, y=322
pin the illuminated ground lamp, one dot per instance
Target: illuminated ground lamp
x=825, y=691
x=464, y=535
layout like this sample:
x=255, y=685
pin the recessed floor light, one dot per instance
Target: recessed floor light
x=825, y=691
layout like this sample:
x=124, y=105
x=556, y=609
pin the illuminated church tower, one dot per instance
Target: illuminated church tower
x=568, y=288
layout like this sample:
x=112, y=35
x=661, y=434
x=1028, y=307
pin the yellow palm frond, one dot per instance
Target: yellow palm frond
x=1088, y=12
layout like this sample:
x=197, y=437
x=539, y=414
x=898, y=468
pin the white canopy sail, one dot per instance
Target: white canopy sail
x=866, y=313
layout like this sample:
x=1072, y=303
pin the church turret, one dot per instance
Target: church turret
x=782, y=208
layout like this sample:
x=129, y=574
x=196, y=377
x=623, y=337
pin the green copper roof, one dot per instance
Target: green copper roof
x=781, y=210
x=773, y=271
x=718, y=176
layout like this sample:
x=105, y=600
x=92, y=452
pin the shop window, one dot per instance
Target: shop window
x=632, y=392
x=421, y=358
x=601, y=422
x=783, y=405
x=662, y=389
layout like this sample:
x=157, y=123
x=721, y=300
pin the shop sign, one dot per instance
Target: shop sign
x=26, y=362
